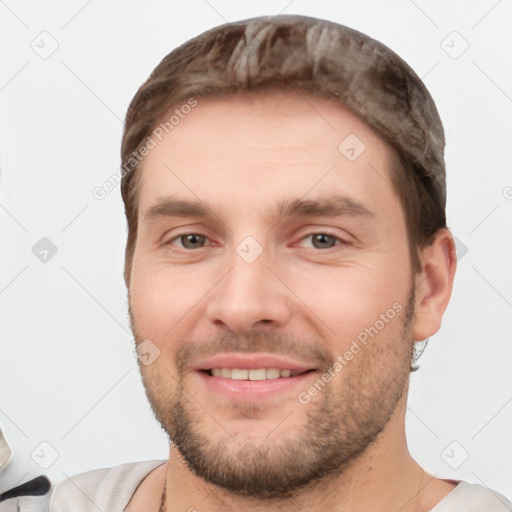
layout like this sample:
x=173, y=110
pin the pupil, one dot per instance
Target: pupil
x=322, y=240
x=192, y=241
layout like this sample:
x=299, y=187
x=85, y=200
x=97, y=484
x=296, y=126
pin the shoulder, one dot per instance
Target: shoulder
x=104, y=489
x=473, y=498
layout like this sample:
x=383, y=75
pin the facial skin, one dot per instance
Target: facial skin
x=305, y=298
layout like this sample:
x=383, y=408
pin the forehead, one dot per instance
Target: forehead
x=253, y=150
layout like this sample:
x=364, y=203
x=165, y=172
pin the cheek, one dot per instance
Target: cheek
x=144, y=298
x=347, y=300
x=161, y=297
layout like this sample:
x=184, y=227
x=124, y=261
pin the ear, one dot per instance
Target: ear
x=434, y=284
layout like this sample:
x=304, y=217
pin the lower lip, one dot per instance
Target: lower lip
x=252, y=389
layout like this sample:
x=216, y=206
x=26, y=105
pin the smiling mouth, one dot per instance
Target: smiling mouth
x=254, y=374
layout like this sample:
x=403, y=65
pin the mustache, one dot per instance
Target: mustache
x=311, y=349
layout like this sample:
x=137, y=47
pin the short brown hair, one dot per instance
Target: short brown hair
x=318, y=57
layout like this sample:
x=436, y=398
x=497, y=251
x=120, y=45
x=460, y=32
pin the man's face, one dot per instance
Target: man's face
x=296, y=258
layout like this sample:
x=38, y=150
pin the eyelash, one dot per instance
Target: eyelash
x=337, y=239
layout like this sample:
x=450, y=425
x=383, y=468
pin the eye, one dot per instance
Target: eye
x=323, y=240
x=189, y=241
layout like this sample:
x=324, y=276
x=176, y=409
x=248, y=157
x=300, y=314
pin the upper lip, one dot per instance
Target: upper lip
x=252, y=362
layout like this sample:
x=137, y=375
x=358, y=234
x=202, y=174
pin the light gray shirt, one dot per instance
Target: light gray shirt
x=111, y=489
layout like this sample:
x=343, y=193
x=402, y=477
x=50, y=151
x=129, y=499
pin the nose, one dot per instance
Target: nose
x=250, y=296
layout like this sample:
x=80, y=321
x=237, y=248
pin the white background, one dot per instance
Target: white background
x=68, y=374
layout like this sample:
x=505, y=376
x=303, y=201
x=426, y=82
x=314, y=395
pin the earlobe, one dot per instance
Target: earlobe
x=434, y=284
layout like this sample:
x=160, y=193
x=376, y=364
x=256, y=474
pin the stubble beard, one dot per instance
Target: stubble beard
x=342, y=422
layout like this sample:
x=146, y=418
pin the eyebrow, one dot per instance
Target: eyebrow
x=331, y=206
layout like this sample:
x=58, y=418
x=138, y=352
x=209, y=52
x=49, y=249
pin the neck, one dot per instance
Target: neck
x=383, y=478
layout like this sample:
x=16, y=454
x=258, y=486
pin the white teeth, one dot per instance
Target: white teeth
x=237, y=374
x=273, y=373
x=260, y=374
x=254, y=374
